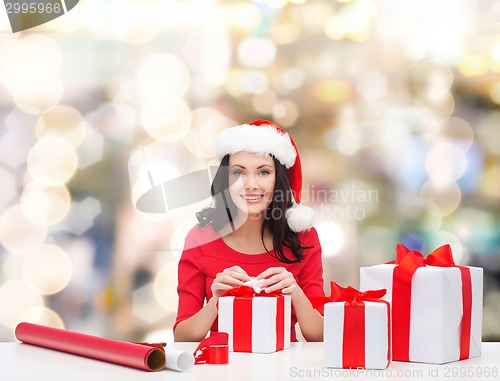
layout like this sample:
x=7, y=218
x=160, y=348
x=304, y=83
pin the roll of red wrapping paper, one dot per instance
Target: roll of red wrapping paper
x=118, y=352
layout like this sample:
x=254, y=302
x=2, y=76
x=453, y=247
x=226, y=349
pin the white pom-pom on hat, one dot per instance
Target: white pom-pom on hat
x=265, y=137
x=300, y=218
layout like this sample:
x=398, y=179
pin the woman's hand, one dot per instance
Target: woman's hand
x=278, y=278
x=227, y=279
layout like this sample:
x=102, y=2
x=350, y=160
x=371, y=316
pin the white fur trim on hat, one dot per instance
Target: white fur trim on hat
x=262, y=139
x=300, y=218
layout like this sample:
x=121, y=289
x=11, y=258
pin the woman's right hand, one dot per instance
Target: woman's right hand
x=227, y=279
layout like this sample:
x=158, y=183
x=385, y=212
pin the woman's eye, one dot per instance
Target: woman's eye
x=237, y=173
x=264, y=172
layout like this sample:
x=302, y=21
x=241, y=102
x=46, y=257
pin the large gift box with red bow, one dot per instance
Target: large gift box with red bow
x=436, y=306
x=356, y=328
x=256, y=322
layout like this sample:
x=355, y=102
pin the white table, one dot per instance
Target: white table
x=303, y=361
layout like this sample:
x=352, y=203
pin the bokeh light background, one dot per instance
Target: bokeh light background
x=393, y=104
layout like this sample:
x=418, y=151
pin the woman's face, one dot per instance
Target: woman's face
x=251, y=182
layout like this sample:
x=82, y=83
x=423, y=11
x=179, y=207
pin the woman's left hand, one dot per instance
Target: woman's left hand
x=278, y=278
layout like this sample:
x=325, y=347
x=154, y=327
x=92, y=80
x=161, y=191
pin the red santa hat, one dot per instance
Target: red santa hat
x=267, y=138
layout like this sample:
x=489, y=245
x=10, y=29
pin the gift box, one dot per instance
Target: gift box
x=436, y=306
x=356, y=328
x=255, y=322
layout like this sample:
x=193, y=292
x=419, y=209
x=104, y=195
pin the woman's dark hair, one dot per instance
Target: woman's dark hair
x=224, y=209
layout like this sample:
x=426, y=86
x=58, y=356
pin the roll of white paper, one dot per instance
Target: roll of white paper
x=178, y=360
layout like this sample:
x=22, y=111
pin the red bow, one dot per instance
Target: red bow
x=213, y=349
x=249, y=292
x=242, y=317
x=408, y=262
x=353, y=344
x=412, y=260
x=347, y=294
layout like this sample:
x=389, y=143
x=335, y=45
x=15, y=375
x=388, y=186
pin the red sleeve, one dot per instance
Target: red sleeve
x=310, y=278
x=191, y=286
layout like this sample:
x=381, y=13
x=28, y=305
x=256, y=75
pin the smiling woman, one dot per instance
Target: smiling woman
x=256, y=227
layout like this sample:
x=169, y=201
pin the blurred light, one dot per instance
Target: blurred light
x=331, y=236
x=256, y=52
x=162, y=73
x=495, y=93
x=208, y=52
x=62, y=121
x=432, y=81
x=264, y=102
x=372, y=84
x=332, y=91
x=8, y=189
x=133, y=22
x=475, y=228
x=347, y=137
x=489, y=133
x=456, y=131
x=312, y=15
x=447, y=197
x=81, y=216
x=38, y=96
x=253, y=81
x=179, y=233
x=334, y=28
x=91, y=150
x=28, y=69
x=15, y=145
x=207, y=123
x=146, y=306
x=48, y=268
x=116, y=120
x=473, y=65
x=16, y=297
x=17, y=233
x=421, y=212
x=285, y=33
x=445, y=163
x=52, y=160
x=12, y=266
x=42, y=315
x=490, y=182
x=244, y=15
x=495, y=54
x=25, y=61
x=165, y=287
x=81, y=253
x=440, y=238
x=377, y=244
x=272, y=3
x=166, y=117
x=285, y=113
x=45, y=205
x=290, y=79
x=147, y=171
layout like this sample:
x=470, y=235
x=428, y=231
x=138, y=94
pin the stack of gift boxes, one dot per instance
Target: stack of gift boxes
x=415, y=308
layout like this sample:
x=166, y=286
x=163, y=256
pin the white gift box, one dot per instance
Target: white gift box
x=436, y=310
x=263, y=325
x=376, y=335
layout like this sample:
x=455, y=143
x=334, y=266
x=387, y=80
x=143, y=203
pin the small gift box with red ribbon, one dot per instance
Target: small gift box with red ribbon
x=436, y=306
x=256, y=322
x=356, y=328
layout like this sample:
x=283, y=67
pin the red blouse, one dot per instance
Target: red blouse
x=206, y=254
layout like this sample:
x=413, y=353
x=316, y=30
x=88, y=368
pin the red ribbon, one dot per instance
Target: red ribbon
x=353, y=344
x=242, y=317
x=213, y=349
x=408, y=262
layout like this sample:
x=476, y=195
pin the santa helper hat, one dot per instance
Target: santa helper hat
x=264, y=137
